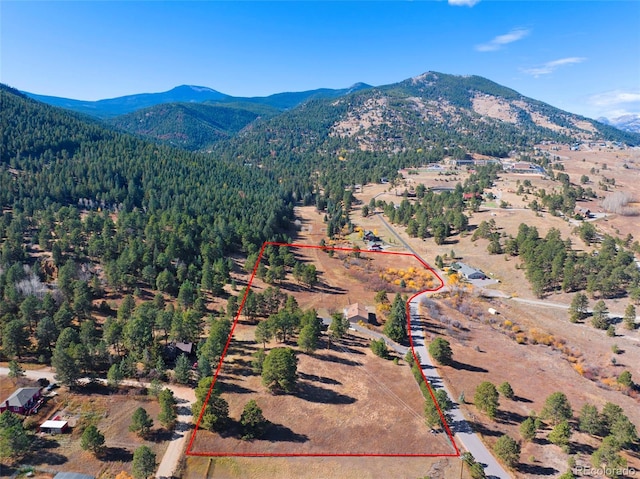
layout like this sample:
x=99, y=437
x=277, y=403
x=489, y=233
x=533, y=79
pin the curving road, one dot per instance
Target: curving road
x=185, y=396
x=459, y=426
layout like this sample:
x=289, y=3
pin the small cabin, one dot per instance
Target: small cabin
x=54, y=427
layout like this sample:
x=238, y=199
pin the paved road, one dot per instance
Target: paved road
x=459, y=425
x=185, y=396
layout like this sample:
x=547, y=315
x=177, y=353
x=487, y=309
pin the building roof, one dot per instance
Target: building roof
x=184, y=347
x=72, y=475
x=54, y=424
x=465, y=270
x=21, y=397
x=354, y=310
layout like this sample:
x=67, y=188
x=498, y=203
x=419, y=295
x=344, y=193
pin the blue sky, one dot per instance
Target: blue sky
x=582, y=56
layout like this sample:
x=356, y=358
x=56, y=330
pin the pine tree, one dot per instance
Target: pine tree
x=141, y=422
x=92, y=440
x=578, y=308
x=252, y=420
x=629, y=318
x=144, y=462
x=395, y=328
x=182, y=371
x=486, y=399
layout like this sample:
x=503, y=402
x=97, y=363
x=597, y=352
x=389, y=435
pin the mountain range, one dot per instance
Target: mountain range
x=624, y=122
x=432, y=113
x=185, y=94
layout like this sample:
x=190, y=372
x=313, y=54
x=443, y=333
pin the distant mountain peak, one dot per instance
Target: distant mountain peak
x=196, y=88
x=629, y=122
x=425, y=77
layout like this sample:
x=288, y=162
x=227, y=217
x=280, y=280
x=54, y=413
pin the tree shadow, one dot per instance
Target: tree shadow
x=46, y=457
x=582, y=448
x=116, y=454
x=467, y=367
x=183, y=410
x=537, y=470
x=522, y=399
x=280, y=433
x=482, y=429
x=541, y=441
x=336, y=359
x=460, y=426
x=229, y=387
x=95, y=387
x=317, y=394
x=348, y=349
x=320, y=379
x=509, y=417
x=182, y=426
x=160, y=435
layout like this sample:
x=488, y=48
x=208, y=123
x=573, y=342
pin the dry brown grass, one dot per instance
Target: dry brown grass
x=347, y=401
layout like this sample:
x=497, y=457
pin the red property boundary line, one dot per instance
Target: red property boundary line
x=189, y=452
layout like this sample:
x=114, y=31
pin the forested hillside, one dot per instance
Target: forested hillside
x=191, y=126
x=88, y=214
x=369, y=133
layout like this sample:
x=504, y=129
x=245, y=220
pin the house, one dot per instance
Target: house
x=54, y=426
x=356, y=312
x=369, y=236
x=470, y=196
x=21, y=401
x=459, y=161
x=585, y=212
x=467, y=272
x=176, y=348
x=186, y=348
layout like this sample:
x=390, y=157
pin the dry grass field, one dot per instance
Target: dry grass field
x=556, y=355
x=325, y=468
x=347, y=401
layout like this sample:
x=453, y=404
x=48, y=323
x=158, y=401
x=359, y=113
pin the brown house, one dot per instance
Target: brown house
x=356, y=312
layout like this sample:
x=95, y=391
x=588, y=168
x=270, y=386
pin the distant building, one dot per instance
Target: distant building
x=459, y=161
x=526, y=167
x=54, y=426
x=21, y=401
x=370, y=236
x=470, y=196
x=467, y=271
x=586, y=212
x=356, y=312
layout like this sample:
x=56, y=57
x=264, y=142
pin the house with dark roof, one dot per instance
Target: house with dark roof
x=356, y=312
x=21, y=401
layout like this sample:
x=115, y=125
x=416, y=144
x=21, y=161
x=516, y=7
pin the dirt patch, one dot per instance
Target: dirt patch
x=534, y=371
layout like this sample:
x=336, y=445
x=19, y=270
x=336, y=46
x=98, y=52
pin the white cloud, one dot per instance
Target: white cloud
x=616, y=103
x=501, y=40
x=463, y=3
x=616, y=97
x=552, y=66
